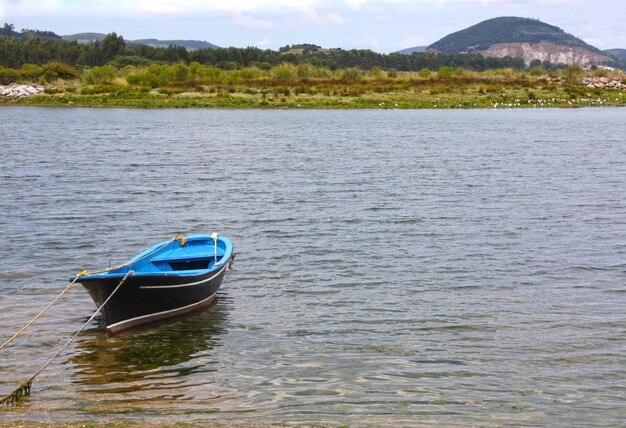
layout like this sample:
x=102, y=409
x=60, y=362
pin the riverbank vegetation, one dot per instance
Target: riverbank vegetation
x=305, y=85
x=113, y=74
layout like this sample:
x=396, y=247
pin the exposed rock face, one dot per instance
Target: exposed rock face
x=20, y=91
x=546, y=51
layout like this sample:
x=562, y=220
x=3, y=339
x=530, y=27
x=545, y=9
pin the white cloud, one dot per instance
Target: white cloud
x=378, y=23
x=311, y=18
x=264, y=43
x=10, y=7
x=238, y=6
x=366, y=43
x=159, y=7
x=247, y=21
x=356, y=4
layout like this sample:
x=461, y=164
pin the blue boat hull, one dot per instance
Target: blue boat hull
x=149, y=296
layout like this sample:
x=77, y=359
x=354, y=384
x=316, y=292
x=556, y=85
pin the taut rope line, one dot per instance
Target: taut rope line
x=24, y=388
x=182, y=240
x=42, y=312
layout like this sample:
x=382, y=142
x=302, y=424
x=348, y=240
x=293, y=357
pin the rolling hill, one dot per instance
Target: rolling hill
x=188, y=44
x=527, y=38
x=618, y=53
x=417, y=49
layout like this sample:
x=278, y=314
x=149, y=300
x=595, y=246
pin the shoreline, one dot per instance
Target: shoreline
x=161, y=87
x=379, y=101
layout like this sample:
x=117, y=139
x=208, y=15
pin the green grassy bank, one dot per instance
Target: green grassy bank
x=307, y=86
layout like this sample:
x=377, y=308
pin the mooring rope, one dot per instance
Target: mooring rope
x=182, y=240
x=24, y=388
x=29, y=323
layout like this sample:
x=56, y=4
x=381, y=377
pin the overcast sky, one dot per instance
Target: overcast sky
x=380, y=25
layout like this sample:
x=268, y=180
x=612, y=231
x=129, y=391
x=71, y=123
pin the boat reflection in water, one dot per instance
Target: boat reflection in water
x=169, y=360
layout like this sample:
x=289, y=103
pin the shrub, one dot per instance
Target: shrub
x=351, y=74
x=100, y=75
x=573, y=73
x=618, y=74
x=507, y=73
x=195, y=68
x=178, y=73
x=376, y=73
x=227, y=65
x=144, y=78
x=262, y=65
x=445, y=72
x=250, y=73
x=8, y=75
x=30, y=72
x=58, y=70
x=323, y=72
x=283, y=72
x=425, y=73
x=229, y=77
x=211, y=75
x=600, y=72
x=305, y=71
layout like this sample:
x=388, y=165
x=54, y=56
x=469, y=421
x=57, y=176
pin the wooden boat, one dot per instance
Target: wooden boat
x=167, y=280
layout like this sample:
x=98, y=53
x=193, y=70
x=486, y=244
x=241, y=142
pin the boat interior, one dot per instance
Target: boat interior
x=195, y=254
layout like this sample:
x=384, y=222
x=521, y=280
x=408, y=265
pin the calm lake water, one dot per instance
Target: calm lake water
x=394, y=268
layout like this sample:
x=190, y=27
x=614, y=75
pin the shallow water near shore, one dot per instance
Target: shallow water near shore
x=394, y=268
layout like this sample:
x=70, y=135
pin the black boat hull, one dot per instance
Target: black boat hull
x=144, y=299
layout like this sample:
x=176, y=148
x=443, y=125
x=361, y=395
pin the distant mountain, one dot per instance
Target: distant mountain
x=481, y=36
x=409, y=51
x=619, y=53
x=84, y=37
x=521, y=37
x=188, y=44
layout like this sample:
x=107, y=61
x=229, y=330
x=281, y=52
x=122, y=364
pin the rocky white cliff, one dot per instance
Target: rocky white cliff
x=546, y=51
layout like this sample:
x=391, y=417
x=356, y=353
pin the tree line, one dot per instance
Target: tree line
x=114, y=50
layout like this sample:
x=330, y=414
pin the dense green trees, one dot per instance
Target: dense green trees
x=114, y=50
x=8, y=30
x=112, y=46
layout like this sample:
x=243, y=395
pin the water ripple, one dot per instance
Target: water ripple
x=395, y=268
